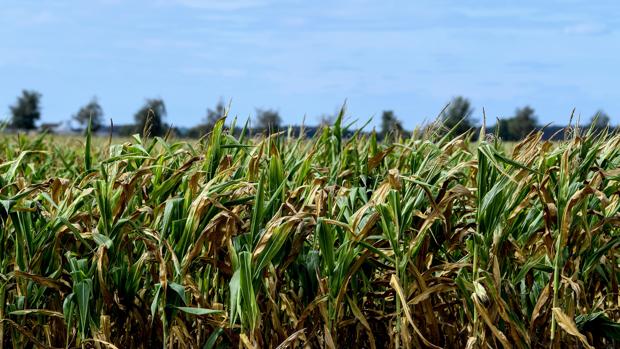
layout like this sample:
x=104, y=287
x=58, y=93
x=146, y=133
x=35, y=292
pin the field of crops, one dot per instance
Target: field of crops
x=332, y=242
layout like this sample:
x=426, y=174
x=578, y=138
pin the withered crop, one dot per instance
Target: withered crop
x=332, y=241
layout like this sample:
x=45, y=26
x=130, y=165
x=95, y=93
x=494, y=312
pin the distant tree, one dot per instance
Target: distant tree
x=268, y=119
x=126, y=130
x=600, y=119
x=390, y=123
x=503, y=129
x=93, y=111
x=213, y=115
x=200, y=130
x=151, y=114
x=457, y=116
x=326, y=120
x=519, y=126
x=524, y=122
x=26, y=110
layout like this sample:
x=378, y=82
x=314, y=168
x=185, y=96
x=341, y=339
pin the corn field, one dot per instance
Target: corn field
x=325, y=242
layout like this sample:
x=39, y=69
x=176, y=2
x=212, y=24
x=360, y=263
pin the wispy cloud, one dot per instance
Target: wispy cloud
x=218, y=5
x=586, y=28
x=490, y=12
x=533, y=66
x=213, y=72
x=23, y=17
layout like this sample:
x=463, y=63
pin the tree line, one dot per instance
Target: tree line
x=456, y=118
x=26, y=111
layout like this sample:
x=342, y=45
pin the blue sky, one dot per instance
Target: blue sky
x=307, y=57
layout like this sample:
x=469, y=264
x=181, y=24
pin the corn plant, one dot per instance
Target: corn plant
x=340, y=239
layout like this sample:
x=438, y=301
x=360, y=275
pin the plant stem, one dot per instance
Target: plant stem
x=556, y=282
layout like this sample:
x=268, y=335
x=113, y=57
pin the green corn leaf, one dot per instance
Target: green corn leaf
x=199, y=311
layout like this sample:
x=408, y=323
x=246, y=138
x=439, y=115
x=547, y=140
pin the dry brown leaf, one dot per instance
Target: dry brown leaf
x=569, y=326
x=399, y=291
